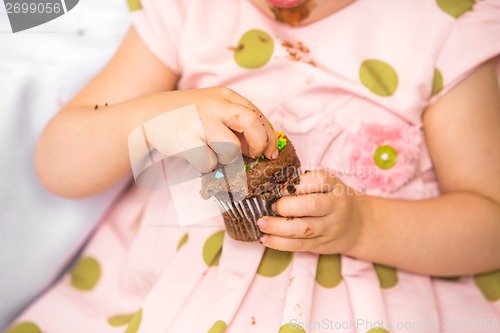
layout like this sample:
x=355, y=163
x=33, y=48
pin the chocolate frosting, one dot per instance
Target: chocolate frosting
x=262, y=178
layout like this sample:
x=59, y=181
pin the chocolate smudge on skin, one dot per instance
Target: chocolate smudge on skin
x=290, y=188
x=295, y=15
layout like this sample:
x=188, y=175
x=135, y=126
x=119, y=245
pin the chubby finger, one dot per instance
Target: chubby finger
x=246, y=121
x=315, y=204
x=271, y=148
x=271, y=151
x=315, y=181
x=243, y=142
x=291, y=227
x=288, y=244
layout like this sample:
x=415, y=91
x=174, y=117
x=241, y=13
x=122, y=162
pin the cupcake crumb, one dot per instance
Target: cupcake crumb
x=253, y=321
x=298, y=308
x=298, y=52
x=302, y=47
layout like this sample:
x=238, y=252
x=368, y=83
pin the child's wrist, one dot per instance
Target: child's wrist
x=361, y=220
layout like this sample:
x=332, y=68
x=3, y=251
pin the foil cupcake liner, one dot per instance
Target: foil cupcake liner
x=240, y=217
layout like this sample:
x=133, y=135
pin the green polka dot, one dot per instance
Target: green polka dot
x=455, y=8
x=274, y=262
x=378, y=330
x=254, y=49
x=213, y=249
x=85, y=274
x=292, y=328
x=328, y=273
x=135, y=322
x=182, y=241
x=489, y=283
x=379, y=77
x=25, y=327
x=437, y=84
x=385, y=157
x=387, y=276
x=134, y=5
x=218, y=327
x=120, y=320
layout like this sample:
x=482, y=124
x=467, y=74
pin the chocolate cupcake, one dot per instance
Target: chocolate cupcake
x=246, y=188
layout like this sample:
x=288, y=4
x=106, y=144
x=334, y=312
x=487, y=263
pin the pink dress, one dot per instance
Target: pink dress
x=350, y=91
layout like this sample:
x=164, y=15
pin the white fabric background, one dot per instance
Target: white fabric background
x=39, y=233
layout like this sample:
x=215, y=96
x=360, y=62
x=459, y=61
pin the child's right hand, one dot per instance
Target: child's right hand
x=84, y=149
x=225, y=122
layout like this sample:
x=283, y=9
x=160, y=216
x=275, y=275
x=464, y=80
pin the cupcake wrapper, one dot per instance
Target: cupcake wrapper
x=240, y=217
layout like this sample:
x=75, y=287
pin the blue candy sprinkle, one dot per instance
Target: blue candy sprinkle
x=219, y=175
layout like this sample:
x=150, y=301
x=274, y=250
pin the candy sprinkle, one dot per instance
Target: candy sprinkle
x=281, y=140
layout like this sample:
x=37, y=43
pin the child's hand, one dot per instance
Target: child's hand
x=225, y=122
x=322, y=216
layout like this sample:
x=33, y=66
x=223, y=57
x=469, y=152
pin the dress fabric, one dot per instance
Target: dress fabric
x=349, y=91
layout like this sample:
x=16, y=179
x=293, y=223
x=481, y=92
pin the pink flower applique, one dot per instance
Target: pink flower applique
x=386, y=157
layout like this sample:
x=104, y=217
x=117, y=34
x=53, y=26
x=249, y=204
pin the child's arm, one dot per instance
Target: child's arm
x=455, y=233
x=84, y=149
x=458, y=232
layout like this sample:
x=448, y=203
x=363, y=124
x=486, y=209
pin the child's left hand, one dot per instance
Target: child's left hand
x=322, y=216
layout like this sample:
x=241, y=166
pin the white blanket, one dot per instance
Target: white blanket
x=40, y=69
